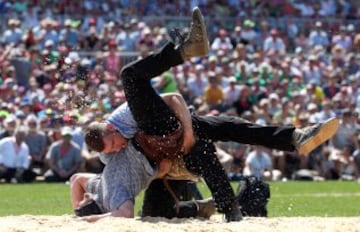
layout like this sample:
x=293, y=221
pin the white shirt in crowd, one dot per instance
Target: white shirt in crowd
x=12, y=155
x=256, y=163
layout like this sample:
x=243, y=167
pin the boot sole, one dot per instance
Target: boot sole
x=325, y=132
x=206, y=46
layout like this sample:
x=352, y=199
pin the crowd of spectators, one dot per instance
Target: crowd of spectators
x=60, y=64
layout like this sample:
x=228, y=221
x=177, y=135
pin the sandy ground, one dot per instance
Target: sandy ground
x=30, y=223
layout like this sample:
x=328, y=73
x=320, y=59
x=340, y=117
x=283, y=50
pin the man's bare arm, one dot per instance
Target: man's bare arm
x=177, y=103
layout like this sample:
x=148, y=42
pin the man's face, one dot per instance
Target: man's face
x=114, y=142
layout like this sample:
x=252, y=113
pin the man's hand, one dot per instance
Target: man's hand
x=164, y=168
x=62, y=173
x=189, y=141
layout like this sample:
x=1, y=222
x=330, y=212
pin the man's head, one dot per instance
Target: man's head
x=20, y=133
x=103, y=137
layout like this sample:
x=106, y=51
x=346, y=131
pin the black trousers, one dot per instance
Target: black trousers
x=154, y=117
x=9, y=173
x=235, y=129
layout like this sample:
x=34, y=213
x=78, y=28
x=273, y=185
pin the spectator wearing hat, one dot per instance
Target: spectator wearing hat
x=312, y=72
x=91, y=42
x=63, y=157
x=135, y=28
x=127, y=42
x=47, y=32
x=15, y=158
x=249, y=35
x=213, y=93
x=318, y=36
x=231, y=93
x=197, y=83
x=146, y=39
x=222, y=41
x=274, y=43
x=235, y=37
x=37, y=143
x=13, y=34
x=69, y=35
x=9, y=125
x=286, y=113
x=342, y=39
x=112, y=61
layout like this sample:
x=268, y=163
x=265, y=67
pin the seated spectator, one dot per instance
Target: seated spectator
x=37, y=143
x=258, y=164
x=15, y=158
x=64, y=158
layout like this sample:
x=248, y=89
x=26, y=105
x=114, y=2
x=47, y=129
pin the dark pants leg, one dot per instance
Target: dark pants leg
x=150, y=112
x=8, y=174
x=158, y=201
x=202, y=160
x=228, y=128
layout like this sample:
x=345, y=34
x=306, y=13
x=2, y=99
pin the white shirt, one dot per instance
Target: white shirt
x=257, y=163
x=13, y=156
x=231, y=95
x=197, y=86
x=271, y=44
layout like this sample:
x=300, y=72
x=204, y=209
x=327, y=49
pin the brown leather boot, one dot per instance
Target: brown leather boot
x=196, y=44
x=206, y=208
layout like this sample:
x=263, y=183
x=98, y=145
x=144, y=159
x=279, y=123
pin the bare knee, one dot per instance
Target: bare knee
x=74, y=178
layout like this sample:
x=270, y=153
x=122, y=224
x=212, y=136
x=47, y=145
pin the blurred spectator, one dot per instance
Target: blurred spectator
x=222, y=41
x=346, y=134
x=243, y=103
x=64, y=158
x=9, y=126
x=13, y=34
x=69, y=35
x=15, y=158
x=37, y=142
x=197, y=83
x=318, y=36
x=231, y=93
x=257, y=163
x=274, y=43
x=213, y=93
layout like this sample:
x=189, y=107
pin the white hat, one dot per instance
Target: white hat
x=72, y=57
x=49, y=43
x=66, y=131
x=232, y=79
x=274, y=96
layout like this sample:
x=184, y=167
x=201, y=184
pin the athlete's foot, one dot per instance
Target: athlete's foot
x=196, y=44
x=308, y=138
